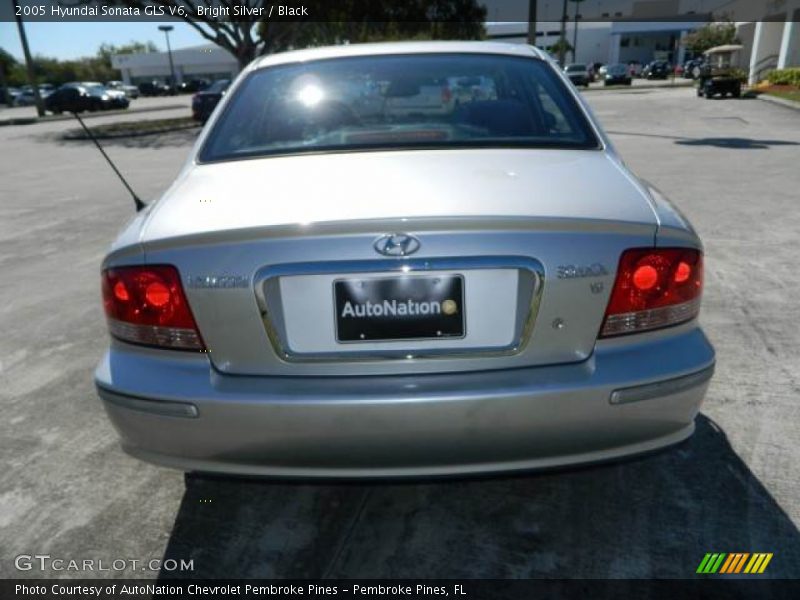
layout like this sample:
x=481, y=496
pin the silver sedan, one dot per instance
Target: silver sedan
x=366, y=268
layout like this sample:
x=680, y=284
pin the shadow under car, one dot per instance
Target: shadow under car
x=651, y=517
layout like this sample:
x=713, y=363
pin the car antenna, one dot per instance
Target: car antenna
x=136, y=200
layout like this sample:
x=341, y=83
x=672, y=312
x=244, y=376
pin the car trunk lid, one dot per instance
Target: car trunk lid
x=527, y=241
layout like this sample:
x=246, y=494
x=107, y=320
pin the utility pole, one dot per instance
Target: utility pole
x=562, y=50
x=6, y=94
x=37, y=98
x=532, y=22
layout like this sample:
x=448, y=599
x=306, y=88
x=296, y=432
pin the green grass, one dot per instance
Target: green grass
x=132, y=128
x=793, y=95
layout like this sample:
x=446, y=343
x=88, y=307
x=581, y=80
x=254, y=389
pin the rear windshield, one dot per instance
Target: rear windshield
x=398, y=101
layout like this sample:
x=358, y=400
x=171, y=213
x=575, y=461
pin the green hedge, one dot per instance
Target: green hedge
x=785, y=76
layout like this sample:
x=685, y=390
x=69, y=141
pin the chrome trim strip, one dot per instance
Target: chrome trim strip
x=661, y=388
x=164, y=408
x=406, y=265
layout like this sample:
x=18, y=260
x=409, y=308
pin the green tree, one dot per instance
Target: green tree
x=13, y=72
x=106, y=51
x=708, y=36
x=47, y=69
x=7, y=61
x=555, y=49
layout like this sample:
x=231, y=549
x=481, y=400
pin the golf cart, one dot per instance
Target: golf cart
x=721, y=73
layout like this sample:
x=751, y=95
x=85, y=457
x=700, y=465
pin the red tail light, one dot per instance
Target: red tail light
x=655, y=287
x=146, y=305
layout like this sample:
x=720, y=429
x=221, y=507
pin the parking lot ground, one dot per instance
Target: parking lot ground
x=24, y=114
x=640, y=84
x=67, y=490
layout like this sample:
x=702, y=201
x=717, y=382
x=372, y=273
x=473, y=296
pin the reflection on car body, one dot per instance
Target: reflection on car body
x=357, y=274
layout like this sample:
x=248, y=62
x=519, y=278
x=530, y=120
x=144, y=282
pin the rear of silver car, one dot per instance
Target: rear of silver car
x=409, y=312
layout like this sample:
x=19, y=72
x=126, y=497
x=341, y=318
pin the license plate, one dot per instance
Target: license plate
x=399, y=308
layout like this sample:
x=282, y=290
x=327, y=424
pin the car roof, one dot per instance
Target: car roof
x=397, y=48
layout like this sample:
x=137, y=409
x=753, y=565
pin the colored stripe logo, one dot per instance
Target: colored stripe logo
x=734, y=562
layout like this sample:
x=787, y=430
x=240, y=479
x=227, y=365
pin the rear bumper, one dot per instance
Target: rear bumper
x=625, y=399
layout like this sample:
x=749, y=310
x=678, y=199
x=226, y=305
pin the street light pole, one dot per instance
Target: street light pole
x=562, y=50
x=37, y=97
x=532, y=22
x=575, y=33
x=166, y=29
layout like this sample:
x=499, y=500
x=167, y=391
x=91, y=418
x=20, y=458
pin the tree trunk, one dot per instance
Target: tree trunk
x=245, y=54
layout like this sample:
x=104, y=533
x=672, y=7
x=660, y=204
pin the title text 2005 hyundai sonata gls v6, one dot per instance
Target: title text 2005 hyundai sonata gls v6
x=403, y=259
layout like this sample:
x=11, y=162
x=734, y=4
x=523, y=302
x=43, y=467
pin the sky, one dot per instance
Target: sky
x=73, y=40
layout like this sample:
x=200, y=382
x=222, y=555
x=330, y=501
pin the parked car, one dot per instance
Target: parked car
x=193, y=85
x=131, y=91
x=635, y=68
x=75, y=97
x=155, y=88
x=9, y=98
x=658, y=69
x=617, y=75
x=486, y=290
x=692, y=68
x=26, y=98
x=116, y=98
x=203, y=103
x=577, y=74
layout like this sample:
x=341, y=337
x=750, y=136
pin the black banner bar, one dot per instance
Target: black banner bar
x=366, y=11
x=468, y=589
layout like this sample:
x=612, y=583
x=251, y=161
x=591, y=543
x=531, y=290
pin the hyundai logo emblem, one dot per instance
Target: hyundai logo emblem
x=396, y=244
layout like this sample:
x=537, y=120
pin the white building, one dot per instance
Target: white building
x=592, y=43
x=208, y=61
x=607, y=42
x=612, y=31
x=609, y=31
x=773, y=43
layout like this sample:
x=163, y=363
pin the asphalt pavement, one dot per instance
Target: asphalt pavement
x=24, y=114
x=67, y=490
